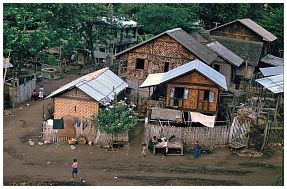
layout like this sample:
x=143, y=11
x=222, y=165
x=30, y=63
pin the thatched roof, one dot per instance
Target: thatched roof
x=189, y=42
x=250, y=51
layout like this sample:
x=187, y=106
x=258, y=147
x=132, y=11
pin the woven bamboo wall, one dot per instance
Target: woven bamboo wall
x=238, y=31
x=155, y=53
x=75, y=107
x=204, y=135
x=87, y=130
x=195, y=99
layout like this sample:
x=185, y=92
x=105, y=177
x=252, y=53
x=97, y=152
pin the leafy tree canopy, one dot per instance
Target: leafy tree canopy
x=116, y=118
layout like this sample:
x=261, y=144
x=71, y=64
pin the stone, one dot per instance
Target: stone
x=47, y=142
x=40, y=143
x=73, y=147
x=31, y=143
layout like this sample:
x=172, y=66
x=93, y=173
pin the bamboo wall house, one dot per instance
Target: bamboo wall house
x=161, y=53
x=248, y=40
x=193, y=87
x=82, y=97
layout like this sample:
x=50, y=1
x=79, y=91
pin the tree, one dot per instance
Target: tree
x=25, y=31
x=91, y=24
x=273, y=21
x=116, y=118
x=157, y=18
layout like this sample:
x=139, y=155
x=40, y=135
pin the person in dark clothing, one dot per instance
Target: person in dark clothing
x=196, y=150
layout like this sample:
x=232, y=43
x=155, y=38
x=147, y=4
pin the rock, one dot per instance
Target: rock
x=40, y=143
x=48, y=162
x=47, y=142
x=28, y=104
x=91, y=153
x=31, y=143
x=21, y=108
x=73, y=147
x=90, y=143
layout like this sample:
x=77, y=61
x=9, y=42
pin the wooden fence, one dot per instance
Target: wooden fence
x=20, y=93
x=87, y=130
x=204, y=135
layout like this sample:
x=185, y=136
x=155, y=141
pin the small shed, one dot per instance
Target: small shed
x=82, y=97
x=193, y=86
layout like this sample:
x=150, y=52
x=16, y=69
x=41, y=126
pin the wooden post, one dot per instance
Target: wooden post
x=265, y=132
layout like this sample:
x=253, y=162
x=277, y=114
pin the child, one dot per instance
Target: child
x=196, y=150
x=34, y=94
x=41, y=95
x=75, y=168
x=144, y=150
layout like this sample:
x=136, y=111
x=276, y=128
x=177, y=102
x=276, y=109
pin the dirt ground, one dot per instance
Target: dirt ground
x=50, y=164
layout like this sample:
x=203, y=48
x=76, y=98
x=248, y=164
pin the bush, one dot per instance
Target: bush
x=278, y=181
x=116, y=118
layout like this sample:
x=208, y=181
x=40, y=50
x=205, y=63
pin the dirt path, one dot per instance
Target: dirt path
x=50, y=164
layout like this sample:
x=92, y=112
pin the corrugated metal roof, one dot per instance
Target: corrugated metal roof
x=250, y=51
x=225, y=53
x=213, y=75
x=272, y=60
x=189, y=42
x=100, y=85
x=273, y=83
x=266, y=35
x=272, y=70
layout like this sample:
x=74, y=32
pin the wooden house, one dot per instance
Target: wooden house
x=226, y=63
x=161, y=53
x=193, y=87
x=82, y=97
x=247, y=39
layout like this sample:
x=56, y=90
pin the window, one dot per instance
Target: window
x=217, y=67
x=178, y=92
x=185, y=94
x=208, y=96
x=102, y=49
x=166, y=66
x=140, y=63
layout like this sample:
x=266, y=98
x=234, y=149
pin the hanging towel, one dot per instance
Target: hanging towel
x=205, y=120
x=58, y=124
x=78, y=123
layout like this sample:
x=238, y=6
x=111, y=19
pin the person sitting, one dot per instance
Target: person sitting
x=34, y=95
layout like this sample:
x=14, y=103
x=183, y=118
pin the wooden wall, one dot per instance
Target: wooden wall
x=196, y=83
x=238, y=31
x=75, y=103
x=225, y=69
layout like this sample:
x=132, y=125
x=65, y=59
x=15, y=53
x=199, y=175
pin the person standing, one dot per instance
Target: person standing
x=41, y=92
x=196, y=150
x=165, y=147
x=74, y=169
x=144, y=151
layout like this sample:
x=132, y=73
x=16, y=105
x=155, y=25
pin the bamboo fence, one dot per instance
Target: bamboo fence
x=204, y=135
x=86, y=129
